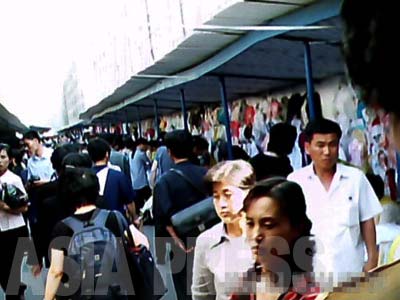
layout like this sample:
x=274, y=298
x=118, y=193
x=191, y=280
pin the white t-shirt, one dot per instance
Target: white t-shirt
x=336, y=215
x=11, y=221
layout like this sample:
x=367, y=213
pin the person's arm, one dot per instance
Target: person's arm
x=369, y=235
x=369, y=207
x=131, y=207
x=15, y=211
x=55, y=274
x=128, y=196
x=153, y=174
x=203, y=279
x=177, y=239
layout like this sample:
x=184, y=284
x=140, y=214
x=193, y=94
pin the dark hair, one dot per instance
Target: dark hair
x=295, y=103
x=58, y=155
x=179, y=143
x=98, y=148
x=322, y=126
x=237, y=152
x=317, y=107
x=77, y=160
x=18, y=154
x=30, y=135
x=281, y=138
x=200, y=143
x=128, y=142
x=80, y=185
x=289, y=197
x=377, y=184
x=7, y=148
x=142, y=141
x=370, y=51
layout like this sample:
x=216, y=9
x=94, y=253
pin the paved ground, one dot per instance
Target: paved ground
x=35, y=288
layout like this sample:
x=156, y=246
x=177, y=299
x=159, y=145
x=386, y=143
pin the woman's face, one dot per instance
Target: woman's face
x=4, y=161
x=228, y=201
x=264, y=220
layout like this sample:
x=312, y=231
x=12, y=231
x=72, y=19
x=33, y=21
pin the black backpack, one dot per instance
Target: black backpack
x=98, y=253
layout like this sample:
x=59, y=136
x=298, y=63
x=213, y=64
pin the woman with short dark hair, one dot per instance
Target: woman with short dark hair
x=278, y=231
x=81, y=186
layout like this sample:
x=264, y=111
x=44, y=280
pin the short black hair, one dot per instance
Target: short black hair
x=322, y=126
x=80, y=185
x=30, y=135
x=58, y=155
x=179, y=143
x=200, y=143
x=281, y=138
x=7, y=148
x=77, y=160
x=17, y=154
x=98, y=148
x=142, y=141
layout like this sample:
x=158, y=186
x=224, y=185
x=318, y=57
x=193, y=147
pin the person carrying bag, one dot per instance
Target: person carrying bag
x=196, y=218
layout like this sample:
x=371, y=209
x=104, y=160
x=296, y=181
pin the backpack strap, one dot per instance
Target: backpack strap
x=73, y=223
x=99, y=217
x=187, y=180
x=122, y=223
x=76, y=225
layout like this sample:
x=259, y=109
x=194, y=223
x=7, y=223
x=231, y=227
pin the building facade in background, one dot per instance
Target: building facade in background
x=123, y=38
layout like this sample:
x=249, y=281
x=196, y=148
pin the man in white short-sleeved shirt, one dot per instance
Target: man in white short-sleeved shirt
x=340, y=203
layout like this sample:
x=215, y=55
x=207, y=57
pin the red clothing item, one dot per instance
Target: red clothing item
x=249, y=115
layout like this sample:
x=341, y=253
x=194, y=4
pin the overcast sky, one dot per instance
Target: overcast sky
x=36, y=38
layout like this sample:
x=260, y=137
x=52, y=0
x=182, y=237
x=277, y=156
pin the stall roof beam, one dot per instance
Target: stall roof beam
x=313, y=13
x=243, y=76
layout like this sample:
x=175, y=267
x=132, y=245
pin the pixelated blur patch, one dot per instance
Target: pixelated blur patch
x=381, y=283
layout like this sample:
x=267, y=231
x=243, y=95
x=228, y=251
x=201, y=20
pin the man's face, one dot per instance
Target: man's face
x=31, y=146
x=324, y=150
x=4, y=161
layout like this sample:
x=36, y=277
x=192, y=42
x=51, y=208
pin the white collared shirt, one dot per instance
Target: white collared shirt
x=219, y=263
x=336, y=216
x=11, y=221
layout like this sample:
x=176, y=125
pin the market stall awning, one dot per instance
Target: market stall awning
x=9, y=122
x=251, y=62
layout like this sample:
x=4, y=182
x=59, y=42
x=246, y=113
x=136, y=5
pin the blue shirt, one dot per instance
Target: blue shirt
x=41, y=166
x=164, y=161
x=139, y=166
x=117, y=192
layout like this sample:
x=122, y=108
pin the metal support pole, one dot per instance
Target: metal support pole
x=310, y=82
x=227, y=122
x=157, y=125
x=139, y=121
x=183, y=107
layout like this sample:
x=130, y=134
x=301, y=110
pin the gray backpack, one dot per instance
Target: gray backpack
x=97, y=252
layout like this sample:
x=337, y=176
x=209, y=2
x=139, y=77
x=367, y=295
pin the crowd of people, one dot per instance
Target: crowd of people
x=282, y=234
